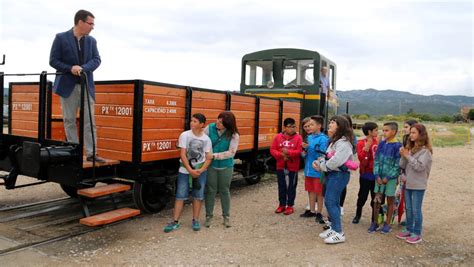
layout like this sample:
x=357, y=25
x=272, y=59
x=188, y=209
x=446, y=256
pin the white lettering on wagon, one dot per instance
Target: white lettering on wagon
x=116, y=110
x=151, y=146
x=160, y=110
x=22, y=106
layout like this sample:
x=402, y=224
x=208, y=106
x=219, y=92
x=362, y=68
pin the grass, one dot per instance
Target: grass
x=441, y=134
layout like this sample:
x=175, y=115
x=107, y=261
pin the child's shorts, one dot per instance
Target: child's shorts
x=182, y=188
x=313, y=184
x=388, y=189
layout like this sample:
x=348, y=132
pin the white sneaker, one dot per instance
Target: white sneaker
x=307, y=207
x=328, y=233
x=342, y=211
x=335, y=238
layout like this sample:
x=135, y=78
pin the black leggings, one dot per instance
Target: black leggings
x=343, y=197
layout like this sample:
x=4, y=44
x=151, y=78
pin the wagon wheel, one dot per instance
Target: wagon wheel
x=252, y=172
x=151, y=197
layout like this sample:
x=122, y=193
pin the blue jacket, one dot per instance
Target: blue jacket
x=64, y=55
x=387, y=159
x=315, y=142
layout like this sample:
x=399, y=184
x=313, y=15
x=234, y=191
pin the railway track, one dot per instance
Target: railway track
x=40, y=223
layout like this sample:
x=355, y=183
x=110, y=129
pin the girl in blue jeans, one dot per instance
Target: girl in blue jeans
x=337, y=175
x=416, y=161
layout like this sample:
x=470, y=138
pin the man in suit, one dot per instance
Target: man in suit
x=74, y=52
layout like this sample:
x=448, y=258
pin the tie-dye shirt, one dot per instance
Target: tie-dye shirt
x=387, y=159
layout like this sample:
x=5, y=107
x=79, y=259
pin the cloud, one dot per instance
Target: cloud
x=418, y=46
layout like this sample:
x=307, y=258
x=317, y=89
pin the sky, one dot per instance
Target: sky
x=422, y=47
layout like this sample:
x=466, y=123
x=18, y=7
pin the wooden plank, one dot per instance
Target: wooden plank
x=162, y=100
x=114, y=133
x=161, y=155
x=209, y=95
x=158, y=134
x=25, y=116
x=109, y=217
x=114, y=144
x=243, y=99
x=209, y=104
x=114, y=121
x=25, y=88
x=104, y=190
x=162, y=123
x=25, y=97
x=114, y=98
x=117, y=155
x=163, y=90
x=115, y=88
x=26, y=133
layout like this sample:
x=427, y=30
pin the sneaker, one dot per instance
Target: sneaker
x=319, y=218
x=308, y=214
x=208, y=221
x=335, y=238
x=196, y=225
x=307, y=207
x=171, y=227
x=403, y=235
x=356, y=219
x=289, y=210
x=329, y=232
x=386, y=229
x=227, y=222
x=342, y=211
x=414, y=239
x=280, y=209
x=373, y=227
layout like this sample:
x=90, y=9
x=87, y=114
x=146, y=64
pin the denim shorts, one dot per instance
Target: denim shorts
x=182, y=188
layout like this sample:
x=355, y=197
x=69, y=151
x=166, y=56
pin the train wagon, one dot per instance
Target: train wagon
x=138, y=123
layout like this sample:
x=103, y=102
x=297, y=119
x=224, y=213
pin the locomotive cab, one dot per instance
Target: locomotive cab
x=290, y=73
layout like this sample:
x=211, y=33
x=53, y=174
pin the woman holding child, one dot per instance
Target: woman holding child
x=341, y=136
x=224, y=136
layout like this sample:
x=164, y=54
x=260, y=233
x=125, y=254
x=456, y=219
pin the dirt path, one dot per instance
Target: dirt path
x=261, y=237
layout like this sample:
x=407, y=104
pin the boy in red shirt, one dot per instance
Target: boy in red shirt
x=366, y=148
x=286, y=149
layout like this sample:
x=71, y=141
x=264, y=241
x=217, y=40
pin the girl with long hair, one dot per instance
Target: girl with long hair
x=416, y=159
x=341, y=136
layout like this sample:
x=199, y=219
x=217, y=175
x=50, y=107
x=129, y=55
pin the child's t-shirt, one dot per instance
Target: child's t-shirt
x=196, y=148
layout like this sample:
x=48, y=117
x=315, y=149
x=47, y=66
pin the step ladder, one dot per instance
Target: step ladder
x=88, y=194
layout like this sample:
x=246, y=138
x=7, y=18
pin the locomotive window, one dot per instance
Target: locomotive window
x=259, y=73
x=298, y=72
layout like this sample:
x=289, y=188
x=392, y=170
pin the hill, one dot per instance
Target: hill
x=381, y=102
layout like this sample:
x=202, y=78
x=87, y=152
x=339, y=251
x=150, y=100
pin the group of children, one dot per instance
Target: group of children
x=383, y=164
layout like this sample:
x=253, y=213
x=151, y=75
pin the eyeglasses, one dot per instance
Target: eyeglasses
x=90, y=23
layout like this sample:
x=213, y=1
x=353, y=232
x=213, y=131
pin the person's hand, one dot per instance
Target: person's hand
x=404, y=152
x=316, y=165
x=368, y=144
x=199, y=171
x=385, y=180
x=76, y=70
x=304, y=145
x=379, y=181
x=194, y=173
x=403, y=177
x=284, y=151
x=285, y=157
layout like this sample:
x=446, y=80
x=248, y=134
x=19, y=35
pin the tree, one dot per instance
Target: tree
x=470, y=115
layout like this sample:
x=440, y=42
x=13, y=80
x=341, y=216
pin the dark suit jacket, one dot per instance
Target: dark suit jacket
x=64, y=55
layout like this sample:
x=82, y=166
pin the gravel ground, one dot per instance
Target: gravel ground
x=261, y=237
